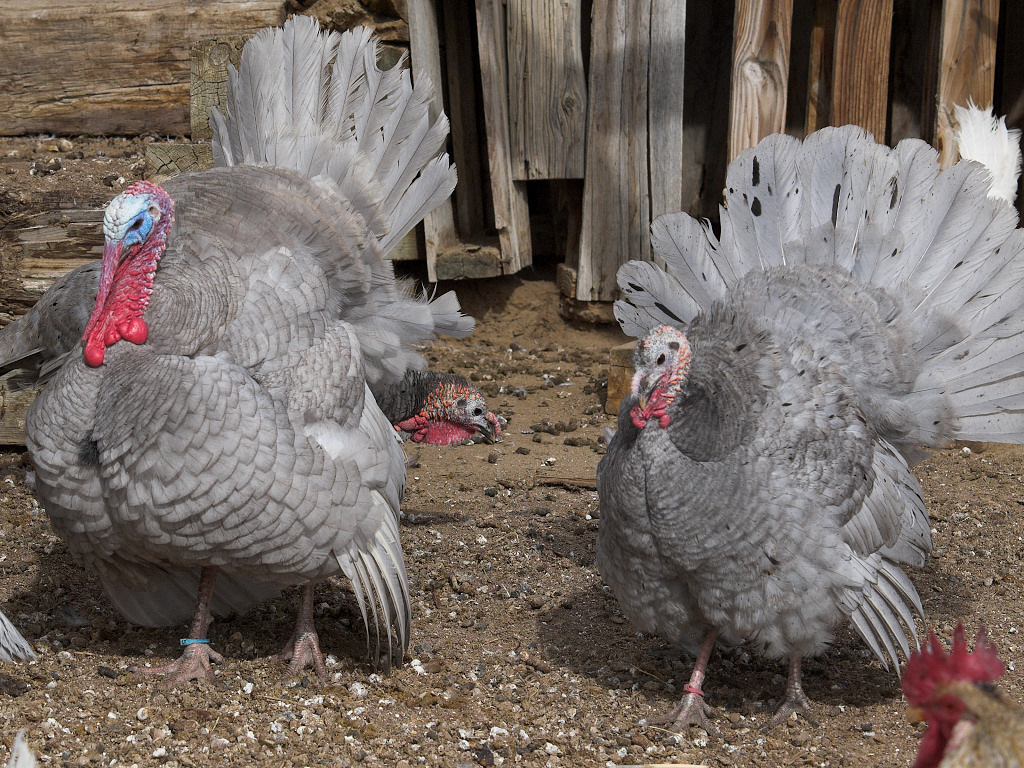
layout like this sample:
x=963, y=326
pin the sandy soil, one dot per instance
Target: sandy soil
x=519, y=654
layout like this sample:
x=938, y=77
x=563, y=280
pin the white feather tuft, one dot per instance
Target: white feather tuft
x=984, y=138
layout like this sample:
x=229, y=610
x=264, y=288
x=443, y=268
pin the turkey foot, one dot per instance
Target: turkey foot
x=303, y=649
x=796, y=700
x=194, y=664
x=693, y=710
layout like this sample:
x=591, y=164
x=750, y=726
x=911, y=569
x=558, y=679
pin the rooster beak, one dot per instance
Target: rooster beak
x=915, y=715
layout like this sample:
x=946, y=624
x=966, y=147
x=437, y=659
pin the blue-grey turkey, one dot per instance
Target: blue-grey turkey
x=293, y=130
x=859, y=308
x=214, y=439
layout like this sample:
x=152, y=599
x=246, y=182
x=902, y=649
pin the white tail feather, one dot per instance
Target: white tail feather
x=983, y=137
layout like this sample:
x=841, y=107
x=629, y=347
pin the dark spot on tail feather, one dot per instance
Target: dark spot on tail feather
x=89, y=452
x=835, y=206
x=755, y=207
x=895, y=194
x=668, y=311
x=755, y=178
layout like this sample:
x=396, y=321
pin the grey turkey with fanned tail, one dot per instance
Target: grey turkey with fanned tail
x=218, y=436
x=859, y=309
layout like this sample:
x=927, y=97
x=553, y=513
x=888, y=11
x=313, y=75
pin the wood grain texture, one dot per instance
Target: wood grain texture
x=13, y=407
x=209, y=83
x=439, y=224
x=616, y=195
x=547, y=89
x=665, y=106
x=114, y=67
x=760, y=71
x=511, y=211
x=966, y=65
x=860, y=83
x=165, y=159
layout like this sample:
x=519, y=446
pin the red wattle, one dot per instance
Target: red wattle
x=94, y=354
x=136, y=331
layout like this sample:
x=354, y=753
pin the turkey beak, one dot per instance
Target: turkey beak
x=915, y=715
x=641, y=387
x=485, y=428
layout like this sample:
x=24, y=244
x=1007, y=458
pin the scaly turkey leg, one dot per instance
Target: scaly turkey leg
x=303, y=649
x=195, y=661
x=692, y=710
x=796, y=700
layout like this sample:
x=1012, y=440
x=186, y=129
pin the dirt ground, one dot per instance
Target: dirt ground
x=519, y=654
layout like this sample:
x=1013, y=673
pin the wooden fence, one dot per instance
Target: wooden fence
x=633, y=108
x=575, y=123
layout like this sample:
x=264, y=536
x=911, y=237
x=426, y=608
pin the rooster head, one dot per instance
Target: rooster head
x=930, y=678
x=135, y=227
x=662, y=362
x=452, y=411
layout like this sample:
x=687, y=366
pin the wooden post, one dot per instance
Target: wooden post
x=967, y=65
x=511, y=211
x=860, y=86
x=760, y=71
x=547, y=89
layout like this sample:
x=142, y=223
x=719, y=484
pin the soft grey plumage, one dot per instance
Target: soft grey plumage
x=229, y=442
x=13, y=647
x=859, y=307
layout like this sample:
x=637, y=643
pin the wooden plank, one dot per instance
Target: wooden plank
x=511, y=212
x=760, y=70
x=470, y=261
x=1010, y=89
x=547, y=91
x=616, y=206
x=966, y=66
x=860, y=84
x=439, y=224
x=460, y=35
x=665, y=107
x=819, y=76
x=123, y=64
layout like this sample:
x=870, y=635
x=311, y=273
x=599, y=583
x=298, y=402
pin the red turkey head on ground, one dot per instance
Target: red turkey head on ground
x=927, y=678
x=135, y=228
x=451, y=410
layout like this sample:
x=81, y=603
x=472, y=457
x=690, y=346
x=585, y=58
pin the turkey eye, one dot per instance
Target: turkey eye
x=478, y=411
x=661, y=359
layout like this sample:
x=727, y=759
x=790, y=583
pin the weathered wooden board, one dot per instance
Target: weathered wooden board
x=167, y=158
x=616, y=196
x=967, y=65
x=210, y=59
x=119, y=66
x=760, y=71
x=620, y=375
x=13, y=407
x=511, y=211
x=665, y=106
x=860, y=83
x=547, y=88
x=56, y=242
x=819, y=74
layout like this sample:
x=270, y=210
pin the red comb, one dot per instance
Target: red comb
x=932, y=666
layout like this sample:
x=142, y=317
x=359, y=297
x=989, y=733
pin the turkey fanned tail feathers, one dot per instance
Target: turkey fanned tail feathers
x=903, y=284
x=315, y=102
